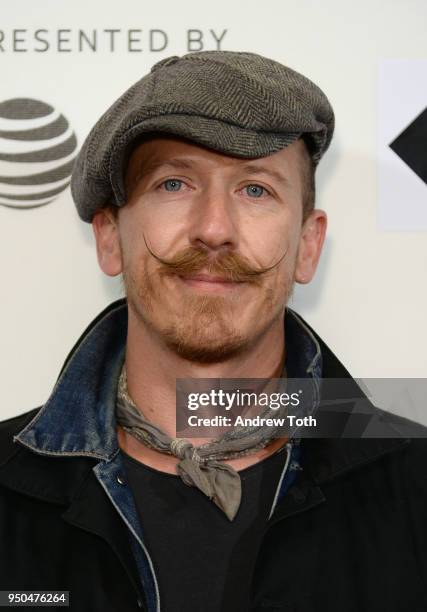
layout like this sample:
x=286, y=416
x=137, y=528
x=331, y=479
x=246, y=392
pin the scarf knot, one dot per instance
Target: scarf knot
x=183, y=449
x=198, y=466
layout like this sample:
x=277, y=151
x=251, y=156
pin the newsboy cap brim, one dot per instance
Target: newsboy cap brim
x=236, y=103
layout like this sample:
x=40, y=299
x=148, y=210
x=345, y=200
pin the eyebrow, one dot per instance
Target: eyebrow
x=151, y=166
x=260, y=169
x=154, y=164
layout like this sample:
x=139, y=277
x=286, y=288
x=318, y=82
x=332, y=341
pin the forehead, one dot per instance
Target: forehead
x=161, y=151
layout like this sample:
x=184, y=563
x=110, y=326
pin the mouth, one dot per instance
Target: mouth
x=208, y=282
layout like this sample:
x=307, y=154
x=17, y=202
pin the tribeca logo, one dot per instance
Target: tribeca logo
x=410, y=145
x=37, y=152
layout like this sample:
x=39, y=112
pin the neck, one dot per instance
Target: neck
x=152, y=369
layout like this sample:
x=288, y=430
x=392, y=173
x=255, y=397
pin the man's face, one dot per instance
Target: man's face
x=195, y=238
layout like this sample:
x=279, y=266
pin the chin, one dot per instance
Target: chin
x=204, y=350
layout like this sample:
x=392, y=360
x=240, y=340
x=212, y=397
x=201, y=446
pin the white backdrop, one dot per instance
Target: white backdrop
x=369, y=298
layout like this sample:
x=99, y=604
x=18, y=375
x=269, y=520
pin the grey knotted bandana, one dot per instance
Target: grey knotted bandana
x=198, y=466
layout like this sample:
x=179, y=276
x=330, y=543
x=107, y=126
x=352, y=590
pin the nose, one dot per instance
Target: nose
x=213, y=220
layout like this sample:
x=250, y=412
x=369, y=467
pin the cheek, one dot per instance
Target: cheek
x=285, y=271
x=132, y=247
x=272, y=241
x=162, y=228
x=138, y=264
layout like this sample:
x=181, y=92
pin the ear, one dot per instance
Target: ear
x=310, y=246
x=106, y=231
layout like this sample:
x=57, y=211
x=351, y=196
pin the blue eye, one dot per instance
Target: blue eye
x=172, y=184
x=255, y=190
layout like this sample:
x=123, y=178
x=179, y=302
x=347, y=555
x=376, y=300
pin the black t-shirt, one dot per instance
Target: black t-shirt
x=203, y=562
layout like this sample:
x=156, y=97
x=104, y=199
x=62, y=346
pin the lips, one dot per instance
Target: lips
x=207, y=278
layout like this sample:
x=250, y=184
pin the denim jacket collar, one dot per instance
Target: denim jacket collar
x=79, y=416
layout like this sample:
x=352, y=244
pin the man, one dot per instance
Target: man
x=199, y=183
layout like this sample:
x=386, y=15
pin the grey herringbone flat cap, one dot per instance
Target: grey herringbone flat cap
x=237, y=103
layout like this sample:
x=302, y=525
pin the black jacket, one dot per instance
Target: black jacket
x=350, y=534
